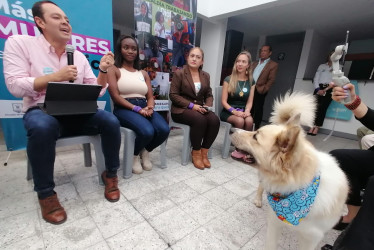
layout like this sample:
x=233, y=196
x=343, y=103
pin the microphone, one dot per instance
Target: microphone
x=70, y=55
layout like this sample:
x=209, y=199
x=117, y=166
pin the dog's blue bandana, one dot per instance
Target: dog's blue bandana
x=292, y=208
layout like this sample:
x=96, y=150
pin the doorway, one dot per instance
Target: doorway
x=286, y=52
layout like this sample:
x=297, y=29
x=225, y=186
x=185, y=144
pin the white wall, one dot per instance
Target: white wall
x=346, y=127
x=314, y=42
x=213, y=43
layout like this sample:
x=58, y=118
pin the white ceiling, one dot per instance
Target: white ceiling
x=329, y=18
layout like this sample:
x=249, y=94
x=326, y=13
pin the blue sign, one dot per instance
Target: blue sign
x=92, y=35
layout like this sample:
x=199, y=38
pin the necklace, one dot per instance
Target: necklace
x=242, y=89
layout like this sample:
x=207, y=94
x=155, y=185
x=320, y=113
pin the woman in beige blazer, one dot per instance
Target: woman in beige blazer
x=192, y=99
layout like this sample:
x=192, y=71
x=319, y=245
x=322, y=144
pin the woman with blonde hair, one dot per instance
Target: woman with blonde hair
x=237, y=94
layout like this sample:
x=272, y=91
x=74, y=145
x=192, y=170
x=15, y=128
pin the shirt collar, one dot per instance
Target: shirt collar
x=46, y=45
x=266, y=61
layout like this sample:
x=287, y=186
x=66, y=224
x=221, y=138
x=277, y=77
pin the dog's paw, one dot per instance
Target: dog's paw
x=257, y=202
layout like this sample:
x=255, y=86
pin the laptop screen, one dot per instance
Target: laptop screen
x=71, y=98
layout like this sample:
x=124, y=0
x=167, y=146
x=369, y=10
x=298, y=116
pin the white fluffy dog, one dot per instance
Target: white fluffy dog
x=306, y=188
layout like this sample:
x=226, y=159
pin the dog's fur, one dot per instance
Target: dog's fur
x=287, y=161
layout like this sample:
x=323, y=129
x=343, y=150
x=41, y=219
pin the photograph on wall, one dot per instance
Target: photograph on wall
x=165, y=32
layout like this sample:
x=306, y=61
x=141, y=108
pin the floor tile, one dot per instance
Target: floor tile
x=142, y=236
x=179, y=192
x=222, y=197
x=33, y=242
x=160, y=180
x=232, y=232
x=201, y=209
x=17, y=204
x=240, y=187
x=201, y=184
x=200, y=239
x=173, y=225
x=88, y=185
x=152, y=204
x=218, y=176
x=76, y=235
x=99, y=246
x=96, y=202
x=137, y=188
x=19, y=227
x=117, y=219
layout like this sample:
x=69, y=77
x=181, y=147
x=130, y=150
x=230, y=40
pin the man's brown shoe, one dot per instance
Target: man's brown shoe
x=52, y=211
x=111, y=188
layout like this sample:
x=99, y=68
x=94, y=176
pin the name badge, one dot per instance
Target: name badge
x=47, y=70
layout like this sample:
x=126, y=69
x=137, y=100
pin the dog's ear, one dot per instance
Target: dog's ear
x=294, y=120
x=287, y=138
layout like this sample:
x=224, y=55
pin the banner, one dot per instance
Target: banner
x=338, y=110
x=165, y=31
x=92, y=35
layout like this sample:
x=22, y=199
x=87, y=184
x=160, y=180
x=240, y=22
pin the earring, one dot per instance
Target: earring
x=246, y=71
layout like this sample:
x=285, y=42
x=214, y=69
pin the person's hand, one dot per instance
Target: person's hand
x=321, y=92
x=238, y=113
x=340, y=93
x=144, y=112
x=246, y=114
x=67, y=73
x=331, y=85
x=107, y=61
x=149, y=111
x=199, y=109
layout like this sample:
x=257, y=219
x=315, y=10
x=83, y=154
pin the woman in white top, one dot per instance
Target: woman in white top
x=131, y=92
x=323, y=88
x=159, y=27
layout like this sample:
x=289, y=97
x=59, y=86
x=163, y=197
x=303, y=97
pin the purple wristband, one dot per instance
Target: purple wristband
x=136, y=109
x=190, y=106
x=231, y=109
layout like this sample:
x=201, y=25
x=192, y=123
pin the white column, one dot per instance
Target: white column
x=212, y=42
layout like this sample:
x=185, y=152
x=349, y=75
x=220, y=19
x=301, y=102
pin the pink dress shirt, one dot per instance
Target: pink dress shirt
x=28, y=57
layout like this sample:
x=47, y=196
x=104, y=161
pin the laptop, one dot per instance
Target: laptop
x=70, y=99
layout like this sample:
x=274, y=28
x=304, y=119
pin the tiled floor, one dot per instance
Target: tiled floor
x=179, y=207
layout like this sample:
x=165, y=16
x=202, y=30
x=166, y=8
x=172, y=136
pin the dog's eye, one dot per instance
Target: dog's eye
x=255, y=136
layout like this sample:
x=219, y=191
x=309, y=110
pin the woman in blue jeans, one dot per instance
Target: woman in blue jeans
x=132, y=95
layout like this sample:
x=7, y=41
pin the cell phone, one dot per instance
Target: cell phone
x=208, y=108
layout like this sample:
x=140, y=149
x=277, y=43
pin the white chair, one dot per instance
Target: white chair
x=226, y=125
x=128, y=152
x=85, y=140
x=186, y=144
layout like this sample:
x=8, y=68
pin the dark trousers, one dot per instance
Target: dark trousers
x=43, y=131
x=258, y=108
x=358, y=165
x=323, y=103
x=204, y=127
x=359, y=234
x=150, y=131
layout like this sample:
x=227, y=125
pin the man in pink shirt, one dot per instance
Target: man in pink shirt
x=30, y=63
